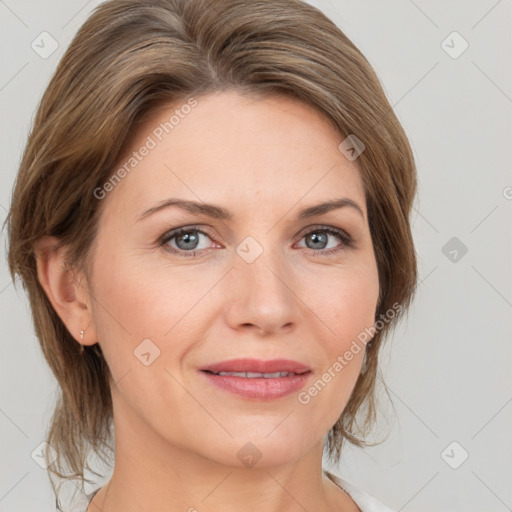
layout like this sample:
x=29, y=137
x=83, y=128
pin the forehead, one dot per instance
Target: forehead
x=228, y=147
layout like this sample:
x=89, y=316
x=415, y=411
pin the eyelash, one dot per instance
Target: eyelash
x=346, y=239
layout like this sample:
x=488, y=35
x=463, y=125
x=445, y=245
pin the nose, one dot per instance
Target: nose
x=263, y=296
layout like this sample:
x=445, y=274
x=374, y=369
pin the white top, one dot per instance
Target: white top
x=363, y=500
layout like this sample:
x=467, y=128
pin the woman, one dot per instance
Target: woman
x=211, y=219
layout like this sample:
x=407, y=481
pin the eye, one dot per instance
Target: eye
x=317, y=239
x=185, y=240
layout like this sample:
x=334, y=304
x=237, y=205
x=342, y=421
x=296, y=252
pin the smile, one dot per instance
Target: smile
x=257, y=385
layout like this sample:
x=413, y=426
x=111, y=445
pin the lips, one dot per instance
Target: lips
x=257, y=379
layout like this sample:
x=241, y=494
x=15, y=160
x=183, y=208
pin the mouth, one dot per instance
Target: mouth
x=257, y=379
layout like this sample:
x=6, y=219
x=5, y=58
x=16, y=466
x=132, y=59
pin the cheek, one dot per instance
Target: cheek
x=138, y=322
x=135, y=303
x=345, y=301
x=346, y=307
x=353, y=310
x=130, y=295
x=328, y=395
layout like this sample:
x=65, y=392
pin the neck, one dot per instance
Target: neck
x=150, y=473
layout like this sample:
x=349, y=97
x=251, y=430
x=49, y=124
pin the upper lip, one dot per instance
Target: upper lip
x=258, y=366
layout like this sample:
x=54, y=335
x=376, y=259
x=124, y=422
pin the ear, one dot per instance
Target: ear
x=67, y=290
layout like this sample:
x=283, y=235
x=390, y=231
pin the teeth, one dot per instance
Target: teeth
x=254, y=375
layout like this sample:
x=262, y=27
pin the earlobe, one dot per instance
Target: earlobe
x=66, y=290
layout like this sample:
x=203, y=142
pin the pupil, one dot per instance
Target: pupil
x=322, y=239
x=190, y=240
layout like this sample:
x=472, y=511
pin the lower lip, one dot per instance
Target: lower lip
x=259, y=388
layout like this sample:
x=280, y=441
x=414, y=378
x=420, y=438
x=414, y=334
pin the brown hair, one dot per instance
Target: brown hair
x=131, y=56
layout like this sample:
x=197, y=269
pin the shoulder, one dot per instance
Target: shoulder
x=364, y=501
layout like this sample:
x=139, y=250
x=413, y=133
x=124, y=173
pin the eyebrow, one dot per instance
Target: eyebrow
x=217, y=212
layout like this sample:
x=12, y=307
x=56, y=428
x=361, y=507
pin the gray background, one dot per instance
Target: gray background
x=448, y=368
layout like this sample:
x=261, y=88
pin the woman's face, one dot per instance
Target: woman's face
x=258, y=282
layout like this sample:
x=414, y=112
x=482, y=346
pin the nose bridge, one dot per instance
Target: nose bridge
x=267, y=276
x=263, y=285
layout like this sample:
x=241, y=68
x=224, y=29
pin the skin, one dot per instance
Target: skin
x=177, y=436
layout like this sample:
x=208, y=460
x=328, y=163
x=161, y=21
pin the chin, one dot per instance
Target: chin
x=259, y=451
